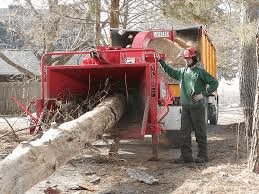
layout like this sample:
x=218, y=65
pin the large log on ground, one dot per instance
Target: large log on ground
x=30, y=163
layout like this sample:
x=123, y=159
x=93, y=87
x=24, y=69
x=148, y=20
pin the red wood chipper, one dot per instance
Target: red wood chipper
x=148, y=95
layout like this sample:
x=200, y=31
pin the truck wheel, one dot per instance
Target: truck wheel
x=213, y=114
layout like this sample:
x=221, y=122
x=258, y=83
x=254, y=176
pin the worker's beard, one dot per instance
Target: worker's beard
x=191, y=65
x=194, y=62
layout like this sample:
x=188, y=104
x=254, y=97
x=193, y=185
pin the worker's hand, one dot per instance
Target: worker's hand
x=160, y=57
x=197, y=97
x=160, y=60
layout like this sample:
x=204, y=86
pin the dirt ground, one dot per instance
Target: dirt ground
x=93, y=172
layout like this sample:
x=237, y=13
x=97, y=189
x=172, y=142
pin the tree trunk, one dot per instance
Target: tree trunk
x=32, y=162
x=95, y=7
x=51, y=30
x=114, y=15
x=125, y=14
x=98, y=34
x=253, y=161
x=248, y=72
x=248, y=84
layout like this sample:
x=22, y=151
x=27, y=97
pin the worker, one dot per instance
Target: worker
x=196, y=84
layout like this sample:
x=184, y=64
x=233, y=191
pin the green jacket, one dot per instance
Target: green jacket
x=192, y=81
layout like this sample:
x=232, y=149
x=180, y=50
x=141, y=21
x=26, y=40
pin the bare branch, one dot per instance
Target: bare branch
x=11, y=128
x=33, y=9
x=18, y=67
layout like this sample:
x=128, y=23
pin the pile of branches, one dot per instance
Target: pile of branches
x=74, y=106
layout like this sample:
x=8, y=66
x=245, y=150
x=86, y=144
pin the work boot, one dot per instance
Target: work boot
x=183, y=160
x=200, y=160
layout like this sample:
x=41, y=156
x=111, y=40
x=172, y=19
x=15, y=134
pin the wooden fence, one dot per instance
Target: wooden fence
x=24, y=92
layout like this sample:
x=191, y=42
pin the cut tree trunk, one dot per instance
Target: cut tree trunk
x=30, y=163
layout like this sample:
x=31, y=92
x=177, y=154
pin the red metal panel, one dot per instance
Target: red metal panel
x=43, y=67
x=69, y=80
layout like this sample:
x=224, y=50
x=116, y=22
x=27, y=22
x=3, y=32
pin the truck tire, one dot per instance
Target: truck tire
x=213, y=114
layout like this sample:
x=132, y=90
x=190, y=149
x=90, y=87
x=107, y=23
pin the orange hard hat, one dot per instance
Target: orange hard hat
x=189, y=53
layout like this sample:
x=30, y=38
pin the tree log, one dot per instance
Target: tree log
x=30, y=163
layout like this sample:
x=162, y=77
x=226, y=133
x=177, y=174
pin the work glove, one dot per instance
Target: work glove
x=197, y=97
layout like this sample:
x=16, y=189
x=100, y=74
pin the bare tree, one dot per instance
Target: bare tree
x=54, y=27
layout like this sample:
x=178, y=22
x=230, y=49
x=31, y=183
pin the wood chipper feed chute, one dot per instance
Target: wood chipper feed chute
x=68, y=80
